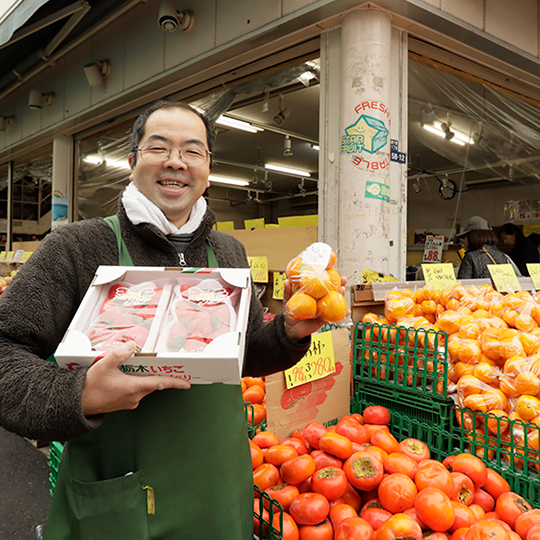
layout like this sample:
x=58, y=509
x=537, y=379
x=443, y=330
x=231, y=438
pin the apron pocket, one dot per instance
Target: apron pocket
x=110, y=509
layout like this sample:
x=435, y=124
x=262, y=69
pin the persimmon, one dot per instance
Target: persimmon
x=525, y=521
x=279, y=454
x=340, y=512
x=354, y=527
x=265, y=476
x=471, y=466
x=364, y=471
x=399, y=526
x=354, y=431
x=298, y=469
x=385, y=440
x=463, y=517
x=313, y=432
x=487, y=528
x=289, y=530
x=283, y=494
x=323, y=460
x=254, y=394
x=397, y=462
x=322, y=531
x=376, y=516
x=265, y=439
x=414, y=448
x=510, y=506
x=330, y=482
x=435, y=509
x=434, y=474
x=336, y=445
x=309, y=508
x=397, y=493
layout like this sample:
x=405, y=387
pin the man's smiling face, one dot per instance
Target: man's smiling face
x=172, y=186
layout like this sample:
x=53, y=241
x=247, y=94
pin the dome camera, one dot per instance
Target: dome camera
x=169, y=18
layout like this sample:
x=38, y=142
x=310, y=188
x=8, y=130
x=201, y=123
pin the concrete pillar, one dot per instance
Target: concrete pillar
x=62, y=181
x=364, y=207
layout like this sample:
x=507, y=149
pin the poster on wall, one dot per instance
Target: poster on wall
x=59, y=210
x=522, y=210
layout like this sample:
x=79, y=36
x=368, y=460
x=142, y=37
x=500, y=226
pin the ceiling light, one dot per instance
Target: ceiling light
x=116, y=163
x=288, y=170
x=287, y=148
x=315, y=147
x=428, y=115
x=169, y=18
x=35, y=99
x=283, y=113
x=97, y=72
x=225, y=180
x=440, y=133
x=238, y=124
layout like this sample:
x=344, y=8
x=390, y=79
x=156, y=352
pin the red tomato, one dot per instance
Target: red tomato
x=399, y=526
x=484, y=500
x=297, y=444
x=340, y=512
x=435, y=509
x=279, y=454
x=283, y=494
x=289, y=531
x=463, y=488
x=472, y=466
x=330, y=482
x=376, y=414
x=313, y=432
x=351, y=429
x=354, y=528
x=434, y=475
x=363, y=471
x=321, y=531
x=336, y=445
x=464, y=517
x=487, y=528
x=400, y=463
x=265, y=476
x=510, y=506
x=397, y=493
x=265, y=439
x=414, y=448
x=526, y=521
x=298, y=469
x=322, y=460
x=495, y=484
x=376, y=516
x=309, y=508
x=385, y=440
x=352, y=497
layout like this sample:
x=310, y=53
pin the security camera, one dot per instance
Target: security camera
x=169, y=18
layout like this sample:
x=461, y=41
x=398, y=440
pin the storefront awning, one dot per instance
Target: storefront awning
x=14, y=14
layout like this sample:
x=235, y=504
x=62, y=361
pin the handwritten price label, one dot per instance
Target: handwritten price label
x=17, y=256
x=9, y=256
x=504, y=277
x=533, y=268
x=26, y=256
x=279, y=278
x=2, y=256
x=370, y=276
x=433, y=249
x=439, y=275
x=317, y=363
x=259, y=269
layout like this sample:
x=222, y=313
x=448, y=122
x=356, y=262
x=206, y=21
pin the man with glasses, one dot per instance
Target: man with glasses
x=138, y=464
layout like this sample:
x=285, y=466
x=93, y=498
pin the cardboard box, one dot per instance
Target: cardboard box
x=222, y=357
x=325, y=400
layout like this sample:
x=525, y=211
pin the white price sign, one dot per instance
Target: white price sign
x=433, y=249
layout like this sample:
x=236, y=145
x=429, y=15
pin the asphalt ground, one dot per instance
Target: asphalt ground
x=24, y=487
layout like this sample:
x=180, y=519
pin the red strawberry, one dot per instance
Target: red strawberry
x=184, y=311
x=177, y=336
x=114, y=290
x=222, y=314
x=136, y=333
x=201, y=322
x=99, y=333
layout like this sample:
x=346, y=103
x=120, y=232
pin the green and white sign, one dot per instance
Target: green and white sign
x=375, y=190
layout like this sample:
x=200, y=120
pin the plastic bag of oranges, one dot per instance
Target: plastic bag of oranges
x=316, y=285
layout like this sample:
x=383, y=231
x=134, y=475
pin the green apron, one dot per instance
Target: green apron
x=176, y=468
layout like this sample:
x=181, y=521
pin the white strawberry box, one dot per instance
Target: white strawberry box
x=187, y=322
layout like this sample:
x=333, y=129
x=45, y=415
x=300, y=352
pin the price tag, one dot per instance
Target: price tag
x=259, y=269
x=2, y=256
x=18, y=255
x=9, y=256
x=439, y=275
x=279, y=278
x=26, y=256
x=504, y=277
x=433, y=249
x=534, y=272
x=369, y=276
x=317, y=363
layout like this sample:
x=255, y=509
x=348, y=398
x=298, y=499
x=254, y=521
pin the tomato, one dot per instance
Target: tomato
x=435, y=509
x=460, y=534
x=289, y=531
x=297, y=444
x=352, y=497
x=354, y=528
x=397, y=493
x=321, y=531
x=283, y=494
x=340, y=512
x=434, y=475
x=495, y=484
x=363, y=471
x=510, y=506
x=376, y=414
x=330, y=482
x=385, y=440
x=487, y=529
x=484, y=500
x=472, y=466
x=336, y=445
x=257, y=457
x=479, y=512
x=322, y=460
x=351, y=429
x=279, y=454
x=463, y=488
x=397, y=462
x=414, y=448
x=297, y=469
x=309, y=508
x=464, y=517
x=526, y=521
x=313, y=432
x=399, y=526
x=265, y=439
x=411, y=512
x=265, y=476
x=376, y=516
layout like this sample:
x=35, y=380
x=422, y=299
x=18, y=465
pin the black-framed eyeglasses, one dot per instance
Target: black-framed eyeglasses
x=192, y=156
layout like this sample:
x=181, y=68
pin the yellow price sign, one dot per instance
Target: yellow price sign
x=279, y=279
x=259, y=269
x=26, y=256
x=2, y=256
x=317, y=363
x=9, y=256
x=370, y=276
x=534, y=272
x=504, y=277
x=439, y=275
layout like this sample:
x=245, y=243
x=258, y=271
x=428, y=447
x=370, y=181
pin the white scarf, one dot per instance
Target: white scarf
x=140, y=209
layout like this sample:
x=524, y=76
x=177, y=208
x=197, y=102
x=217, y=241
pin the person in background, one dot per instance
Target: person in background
x=481, y=245
x=535, y=239
x=523, y=249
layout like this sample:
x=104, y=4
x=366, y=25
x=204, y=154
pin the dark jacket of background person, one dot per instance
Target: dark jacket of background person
x=481, y=252
x=524, y=250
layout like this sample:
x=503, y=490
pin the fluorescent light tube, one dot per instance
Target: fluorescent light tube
x=458, y=138
x=279, y=168
x=238, y=124
x=224, y=180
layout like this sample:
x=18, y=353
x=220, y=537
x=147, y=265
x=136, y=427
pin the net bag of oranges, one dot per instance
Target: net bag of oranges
x=316, y=285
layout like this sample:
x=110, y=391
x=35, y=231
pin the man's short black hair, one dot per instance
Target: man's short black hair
x=511, y=228
x=140, y=125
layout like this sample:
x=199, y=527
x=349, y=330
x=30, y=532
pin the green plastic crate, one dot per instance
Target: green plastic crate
x=55, y=454
x=251, y=426
x=411, y=360
x=267, y=530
